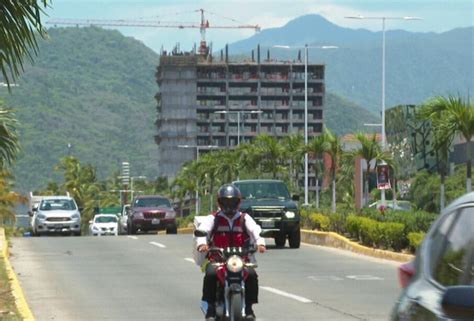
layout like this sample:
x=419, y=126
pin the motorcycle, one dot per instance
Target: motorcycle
x=231, y=268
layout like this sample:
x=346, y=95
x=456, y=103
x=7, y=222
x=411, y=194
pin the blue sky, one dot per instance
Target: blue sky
x=438, y=16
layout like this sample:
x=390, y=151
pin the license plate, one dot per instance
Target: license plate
x=155, y=221
x=268, y=224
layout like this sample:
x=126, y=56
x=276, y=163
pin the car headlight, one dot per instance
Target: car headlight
x=95, y=228
x=138, y=215
x=170, y=214
x=235, y=264
x=290, y=214
x=75, y=216
x=41, y=216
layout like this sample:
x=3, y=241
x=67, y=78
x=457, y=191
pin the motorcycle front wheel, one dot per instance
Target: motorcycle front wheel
x=235, y=307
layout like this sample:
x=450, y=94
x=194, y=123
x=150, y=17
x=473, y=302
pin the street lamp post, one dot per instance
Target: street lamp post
x=306, y=47
x=131, y=184
x=384, y=141
x=238, y=112
x=198, y=148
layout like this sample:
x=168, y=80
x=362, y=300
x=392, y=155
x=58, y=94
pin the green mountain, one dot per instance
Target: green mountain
x=418, y=65
x=94, y=89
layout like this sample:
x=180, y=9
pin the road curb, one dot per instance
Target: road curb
x=332, y=239
x=17, y=291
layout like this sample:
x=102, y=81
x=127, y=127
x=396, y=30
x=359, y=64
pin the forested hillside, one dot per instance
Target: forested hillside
x=94, y=89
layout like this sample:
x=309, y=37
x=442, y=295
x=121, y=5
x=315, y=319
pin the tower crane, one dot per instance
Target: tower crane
x=204, y=24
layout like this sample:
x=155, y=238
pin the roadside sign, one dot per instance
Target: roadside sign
x=383, y=176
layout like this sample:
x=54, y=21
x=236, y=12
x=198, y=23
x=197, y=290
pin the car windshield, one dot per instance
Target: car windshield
x=106, y=219
x=152, y=202
x=263, y=190
x=57, y=204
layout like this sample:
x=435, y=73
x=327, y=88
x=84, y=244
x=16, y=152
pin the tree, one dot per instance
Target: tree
x=442, y=141
x=8, y=199
x=19, y=22
x=316, y=147
x=271, y=154
x=369, y=150
x=9, y=144
x=294, y=150
x=332, y=146
x=456, y=117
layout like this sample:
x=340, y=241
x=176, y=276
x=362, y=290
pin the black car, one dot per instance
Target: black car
x=271, y=206
x=440, y=281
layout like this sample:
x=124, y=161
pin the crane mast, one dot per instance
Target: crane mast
x=204, y=24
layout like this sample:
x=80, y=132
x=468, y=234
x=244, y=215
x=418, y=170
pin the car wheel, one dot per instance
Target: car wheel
x=172, y=230
x=132, y=230
x=294, y=238
x=280, y=240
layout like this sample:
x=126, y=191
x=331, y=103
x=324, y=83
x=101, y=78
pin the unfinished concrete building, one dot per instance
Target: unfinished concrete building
x=202, y=101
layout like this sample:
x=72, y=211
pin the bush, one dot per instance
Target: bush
x=183, y=222
x=320, y=222
x=337, y=222
x=353, y=226
x=415, y=239
x=393, y=235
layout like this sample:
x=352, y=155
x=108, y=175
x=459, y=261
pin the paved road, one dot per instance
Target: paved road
x=151, y=277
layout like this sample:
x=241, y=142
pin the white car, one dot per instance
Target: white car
x=56, y=214
x=104, y=224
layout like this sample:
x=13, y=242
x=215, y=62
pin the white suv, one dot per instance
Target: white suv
x=57, y=214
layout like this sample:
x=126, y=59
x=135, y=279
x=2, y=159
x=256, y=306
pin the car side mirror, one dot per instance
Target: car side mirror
x=295, y=197
x=81, y=209
x=458, y=302
x=30, y=213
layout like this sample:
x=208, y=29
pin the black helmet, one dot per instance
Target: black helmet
x=228, y=198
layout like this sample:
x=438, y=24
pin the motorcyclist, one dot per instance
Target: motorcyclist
x=229, y=227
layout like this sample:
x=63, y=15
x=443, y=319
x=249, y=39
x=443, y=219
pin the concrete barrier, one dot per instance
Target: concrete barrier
x=17, y=291
x=338, y=241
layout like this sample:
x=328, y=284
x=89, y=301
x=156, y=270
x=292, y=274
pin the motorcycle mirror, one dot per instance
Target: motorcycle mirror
x=199, y=233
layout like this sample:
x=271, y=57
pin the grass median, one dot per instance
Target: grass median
x=8, y=310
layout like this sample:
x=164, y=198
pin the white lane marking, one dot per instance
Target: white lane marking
x=132, y=237
x=325, y=278
x=189, y=259
x=286, y=294
x=364, y=277
x=158, y=244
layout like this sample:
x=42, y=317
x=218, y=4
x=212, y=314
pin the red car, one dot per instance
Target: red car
x=151, y=213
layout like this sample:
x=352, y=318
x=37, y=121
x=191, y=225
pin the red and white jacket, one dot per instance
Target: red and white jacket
x=229, y=231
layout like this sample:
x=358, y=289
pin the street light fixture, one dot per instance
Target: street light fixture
x=198, y=148
x=306, y=47
x=360, y=17
x=238, y=112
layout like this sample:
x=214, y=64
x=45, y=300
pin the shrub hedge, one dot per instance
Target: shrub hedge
x=395, y=230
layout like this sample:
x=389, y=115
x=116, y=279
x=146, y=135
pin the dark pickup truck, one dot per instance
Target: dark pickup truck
x=272, y=207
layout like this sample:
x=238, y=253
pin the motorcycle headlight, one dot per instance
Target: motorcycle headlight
x=235, y=264
x=290, y=214
x=170, y=214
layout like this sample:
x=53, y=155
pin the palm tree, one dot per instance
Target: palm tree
x=369, y=150
x=457, y=118
x=271, y=153
x=332, y=146
x=9, y=144
x=316, y=147
x=442, y=141
x=294, y=150
x=21, y=19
